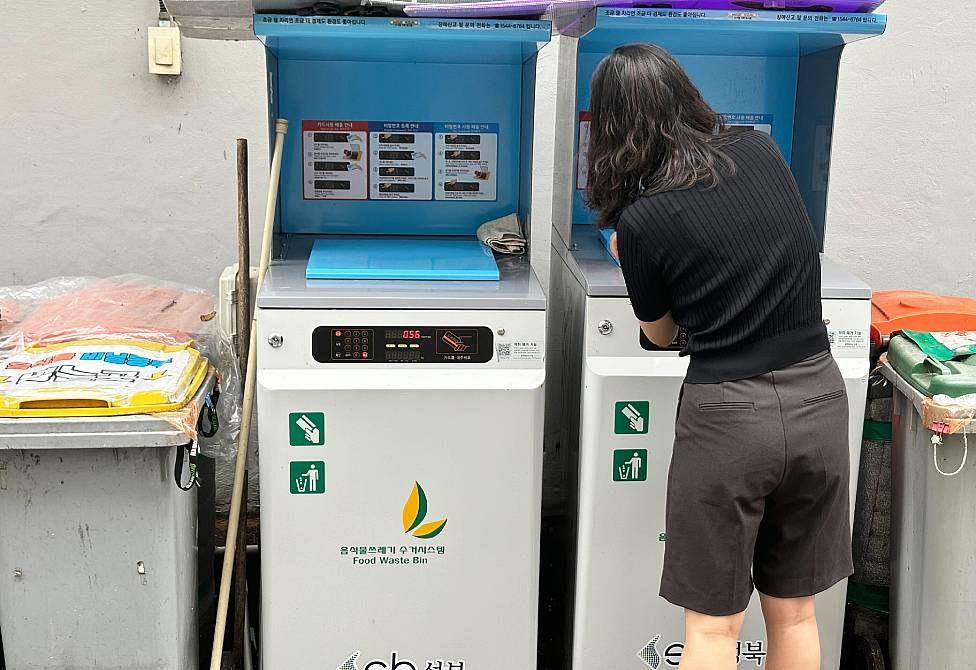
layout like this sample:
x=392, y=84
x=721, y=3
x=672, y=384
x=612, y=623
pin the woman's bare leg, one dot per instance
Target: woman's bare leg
x=791, y=630
x=710, y=641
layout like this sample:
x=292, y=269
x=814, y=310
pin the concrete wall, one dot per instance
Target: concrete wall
x=109, y=169
x=902, y=192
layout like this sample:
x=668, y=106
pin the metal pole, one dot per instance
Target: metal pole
x=243, y=279
x=281, y=127
x=243, y=285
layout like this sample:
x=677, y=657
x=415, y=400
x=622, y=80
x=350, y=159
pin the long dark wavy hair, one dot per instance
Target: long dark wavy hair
x=650, y=131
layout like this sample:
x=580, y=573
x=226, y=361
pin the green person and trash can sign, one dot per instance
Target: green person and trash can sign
x=306, y=429
x=630, y=417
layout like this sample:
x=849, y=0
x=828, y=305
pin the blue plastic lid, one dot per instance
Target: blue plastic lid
x=401, y=258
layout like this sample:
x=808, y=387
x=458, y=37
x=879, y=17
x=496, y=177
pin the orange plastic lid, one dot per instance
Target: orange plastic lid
x=892, y=311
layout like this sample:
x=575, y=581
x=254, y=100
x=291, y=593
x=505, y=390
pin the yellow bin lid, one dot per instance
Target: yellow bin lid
x=101, y=377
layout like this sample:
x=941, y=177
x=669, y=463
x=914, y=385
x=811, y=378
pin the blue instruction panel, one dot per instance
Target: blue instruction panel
x=395, y=160
x=467, y=161
x=742, y=122
x=582, y=149
x=401, y=155
x=334, y=160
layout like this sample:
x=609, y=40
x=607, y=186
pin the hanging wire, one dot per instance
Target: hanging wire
x=937, y=442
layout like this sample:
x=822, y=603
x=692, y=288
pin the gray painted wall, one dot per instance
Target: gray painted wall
x=902, y=194
x=110, y=169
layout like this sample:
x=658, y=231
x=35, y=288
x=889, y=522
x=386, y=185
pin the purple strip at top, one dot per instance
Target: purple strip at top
x=510, y=8
x=489, y=8
x=842, y=6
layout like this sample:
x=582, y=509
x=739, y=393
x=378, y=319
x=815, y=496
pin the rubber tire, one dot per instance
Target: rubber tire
x=872, y=654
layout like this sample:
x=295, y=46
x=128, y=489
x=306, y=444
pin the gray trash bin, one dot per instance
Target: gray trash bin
x=97, y=544
x=933, y=534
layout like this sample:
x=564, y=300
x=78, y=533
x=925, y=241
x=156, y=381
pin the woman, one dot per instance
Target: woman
x=712, y=235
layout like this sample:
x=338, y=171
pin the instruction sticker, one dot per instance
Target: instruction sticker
x=519, y=351
x=334, y=160
x=583, y=150
x=467, y=161
x=306, y=429
x=630, y=465
x=822, y=138
x=848, y=340
x=740, y=123
x=306, y=477
x=400, y=160
x=631, y=417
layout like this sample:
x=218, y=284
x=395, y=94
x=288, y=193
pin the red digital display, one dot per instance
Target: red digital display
x=402, y=344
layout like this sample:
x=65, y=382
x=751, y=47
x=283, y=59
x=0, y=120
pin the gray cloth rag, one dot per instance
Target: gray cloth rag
x=504, y=235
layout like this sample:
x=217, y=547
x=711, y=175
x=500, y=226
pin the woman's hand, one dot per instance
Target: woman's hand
x=661, y=332
x=613, y=246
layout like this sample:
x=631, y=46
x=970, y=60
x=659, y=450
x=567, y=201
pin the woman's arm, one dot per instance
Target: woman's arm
x=661, y=332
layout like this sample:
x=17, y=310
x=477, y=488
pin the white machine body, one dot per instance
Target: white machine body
x=344, y=585
x=620, y=621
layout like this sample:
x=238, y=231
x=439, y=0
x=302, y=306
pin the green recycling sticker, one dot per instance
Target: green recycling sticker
x=307, y=477
x=630, y=465
x=306, y=429
x=631, y=417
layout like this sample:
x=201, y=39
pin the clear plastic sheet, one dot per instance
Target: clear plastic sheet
x=127, y=306
x=134, y=307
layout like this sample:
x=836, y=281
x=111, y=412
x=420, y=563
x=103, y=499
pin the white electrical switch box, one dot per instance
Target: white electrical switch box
x=165, y=54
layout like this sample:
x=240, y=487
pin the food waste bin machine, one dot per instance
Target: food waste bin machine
x=608, y=447
x=401, y=365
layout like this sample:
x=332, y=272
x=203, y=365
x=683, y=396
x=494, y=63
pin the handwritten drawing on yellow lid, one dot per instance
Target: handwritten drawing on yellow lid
x=100, y=378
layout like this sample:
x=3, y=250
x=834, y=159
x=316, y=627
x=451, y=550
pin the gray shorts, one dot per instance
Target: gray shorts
x=758, y=491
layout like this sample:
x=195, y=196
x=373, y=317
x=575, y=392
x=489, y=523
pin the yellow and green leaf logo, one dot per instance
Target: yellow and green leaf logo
x=414, y=513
